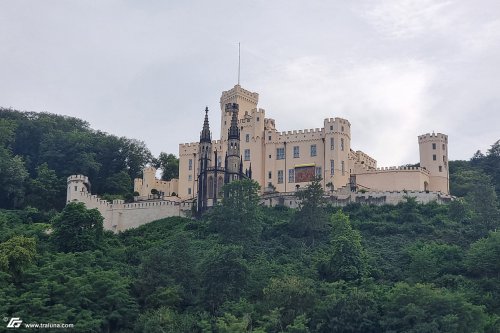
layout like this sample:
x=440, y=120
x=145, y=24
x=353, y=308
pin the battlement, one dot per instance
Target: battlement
x=428, y=137
x=305, y=131
x=238, y=90
x=82, y=178
x=337, y=120
x=365, y=169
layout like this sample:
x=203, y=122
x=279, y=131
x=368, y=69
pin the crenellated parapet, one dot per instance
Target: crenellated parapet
x=433, y=137
x=362, y=169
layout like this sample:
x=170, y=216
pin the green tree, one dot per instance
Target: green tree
x=77, y=228
x=348, y=259
x=239, y=217
x=421, y=308
x=483, y=257
x=13, y=175
x=430, y=260
x=291, y=296
x=311, y=220
x=45, y=190
x=224, y=275
x=169, y=165
x=16, y=254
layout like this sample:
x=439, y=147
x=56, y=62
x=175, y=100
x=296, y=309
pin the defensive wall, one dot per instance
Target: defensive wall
x=120, y=216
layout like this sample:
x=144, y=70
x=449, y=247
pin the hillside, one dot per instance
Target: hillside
x=242, y=267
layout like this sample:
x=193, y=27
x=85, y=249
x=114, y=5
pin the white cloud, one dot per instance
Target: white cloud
x=384, y=101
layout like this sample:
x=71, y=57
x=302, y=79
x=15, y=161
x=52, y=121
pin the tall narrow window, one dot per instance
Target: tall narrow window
x=313, y=150
x=332, y=167
x=296, y=152
x=318, y=172
x=342, y=144
x=280, y=176
x=190, y=164
x=247, y=154
x=291, y=175
x=219, y=161
x=189, y=190
x=332, y=143
x=440, y=168
x=280, y=153
x=270, y=175
x=343, y=167
x=434, y=157
x=434, y=146
x=190, y=177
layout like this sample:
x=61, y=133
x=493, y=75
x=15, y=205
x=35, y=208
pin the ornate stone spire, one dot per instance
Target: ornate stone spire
x=205, y=135
x=234, y=131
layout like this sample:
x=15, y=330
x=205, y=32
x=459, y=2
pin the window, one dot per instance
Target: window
x=342, y=128
x=343, y=167
x=443, y=147
x=318, y=172
x=189, y=190
x=280, y=153
x=332, y=167
x=331, y=127
x=313, y=150
x=342, y=144
x=190, y=177
x=296, y=152
x=434, y=157
x=280, y=176
x=258, y=118
x=219, y=161
x=291, y=175
x=440, y=168
x=332, y=143
x=247, y=155
x=270, y=175
x=434, y=146
x=247, y=138
x=76, y=188
x=269, y=137
x=269, y=155
x=190, y=164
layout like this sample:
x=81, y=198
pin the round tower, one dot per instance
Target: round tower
x=434, y=158
x=77, y=184
x=148, y=180
x=337, y=148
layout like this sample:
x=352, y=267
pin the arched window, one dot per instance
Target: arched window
x=210, y=187
x=220, y=183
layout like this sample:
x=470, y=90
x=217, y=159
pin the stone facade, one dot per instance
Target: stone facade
x=276, y=157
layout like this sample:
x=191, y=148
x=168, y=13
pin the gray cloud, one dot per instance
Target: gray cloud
x=147, y=69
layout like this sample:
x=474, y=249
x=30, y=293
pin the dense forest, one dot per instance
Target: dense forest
x=242, y=267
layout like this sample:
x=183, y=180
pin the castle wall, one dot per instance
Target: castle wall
x=120, y=216
x=149, y=181
x=393, y=179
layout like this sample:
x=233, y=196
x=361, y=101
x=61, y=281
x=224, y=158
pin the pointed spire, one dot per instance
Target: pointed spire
x=205, y=135
x=234, y=131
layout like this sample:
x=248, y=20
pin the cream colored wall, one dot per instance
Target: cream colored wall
x=395, y=179
x=188, y=151
x=120, y=216
x=149, y=181
x=439, y=180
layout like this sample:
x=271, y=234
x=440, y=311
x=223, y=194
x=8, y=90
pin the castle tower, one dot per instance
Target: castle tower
x=434, y=157
x=204, y=163
x=337, y=145
x=233, y=160
x=76, y=185
x=246, y=100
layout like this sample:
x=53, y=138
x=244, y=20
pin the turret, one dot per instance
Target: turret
x=434, y=157
x=233, y=144
x=77, y=184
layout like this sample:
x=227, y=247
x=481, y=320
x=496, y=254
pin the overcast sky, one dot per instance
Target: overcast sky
x=147, y=69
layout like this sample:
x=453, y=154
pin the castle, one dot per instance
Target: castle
x=281, y=162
